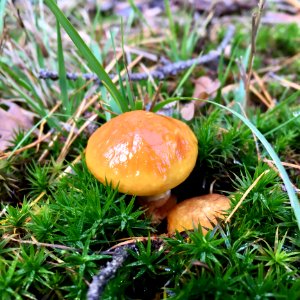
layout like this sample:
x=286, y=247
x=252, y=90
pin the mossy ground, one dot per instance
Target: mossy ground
x=57, y=220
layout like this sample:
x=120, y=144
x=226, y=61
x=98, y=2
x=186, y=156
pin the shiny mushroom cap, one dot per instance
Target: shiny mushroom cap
x=142, y=153
x=203, y=210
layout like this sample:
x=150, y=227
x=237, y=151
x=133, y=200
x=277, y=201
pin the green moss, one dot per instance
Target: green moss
x=56, y=227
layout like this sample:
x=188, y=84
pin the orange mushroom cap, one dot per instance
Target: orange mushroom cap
x=142, y=153
x=203, y=210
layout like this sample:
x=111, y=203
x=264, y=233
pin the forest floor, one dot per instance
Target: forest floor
x=230, y=70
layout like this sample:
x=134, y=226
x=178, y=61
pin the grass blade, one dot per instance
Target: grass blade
x=185, y=77
x=62, y=73
x=2, y=11
x=93, y=63
x=285, y=177
x=282, y=125
x=139, y=14
x=173, y=38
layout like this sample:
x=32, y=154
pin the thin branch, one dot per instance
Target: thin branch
x=100, y=281
x=160, y=72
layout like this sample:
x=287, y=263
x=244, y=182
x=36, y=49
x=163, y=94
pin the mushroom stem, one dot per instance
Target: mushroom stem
x=158, y=206
x=156, y=200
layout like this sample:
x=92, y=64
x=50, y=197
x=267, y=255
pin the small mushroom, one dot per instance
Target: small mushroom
x=143, y=154
x=202, y=210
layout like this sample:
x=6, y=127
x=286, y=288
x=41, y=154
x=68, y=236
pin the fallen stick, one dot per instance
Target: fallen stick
x=100, y=281
x=119, y=255
x=160, y=72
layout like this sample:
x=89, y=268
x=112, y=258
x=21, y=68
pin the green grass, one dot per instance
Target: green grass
x=63, y=84
x=57, y=226
x=93, y=63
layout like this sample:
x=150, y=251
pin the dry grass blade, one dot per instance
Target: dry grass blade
x=281, y=65
x=245, y=195
x=39, y=244
x=31, y=145
x=294, y=166
x=262, y=86
x=286, y=82
x=37, y=199
x=67, y=142
x=71, y=139
x=260, y=97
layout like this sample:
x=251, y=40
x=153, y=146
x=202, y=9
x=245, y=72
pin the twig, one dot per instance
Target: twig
x=158, y=73
x=100, y=281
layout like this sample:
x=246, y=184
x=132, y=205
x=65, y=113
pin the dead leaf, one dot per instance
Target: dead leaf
x=12, y=118
x=205, y=87
x=280, y=18
x=188, y=111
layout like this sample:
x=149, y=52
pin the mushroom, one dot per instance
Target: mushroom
x=202, y=210
x=144, y=154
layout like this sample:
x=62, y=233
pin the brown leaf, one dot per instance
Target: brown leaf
x=12, y=118
x=280, y=18
x=205, y=87
x=188, y=111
